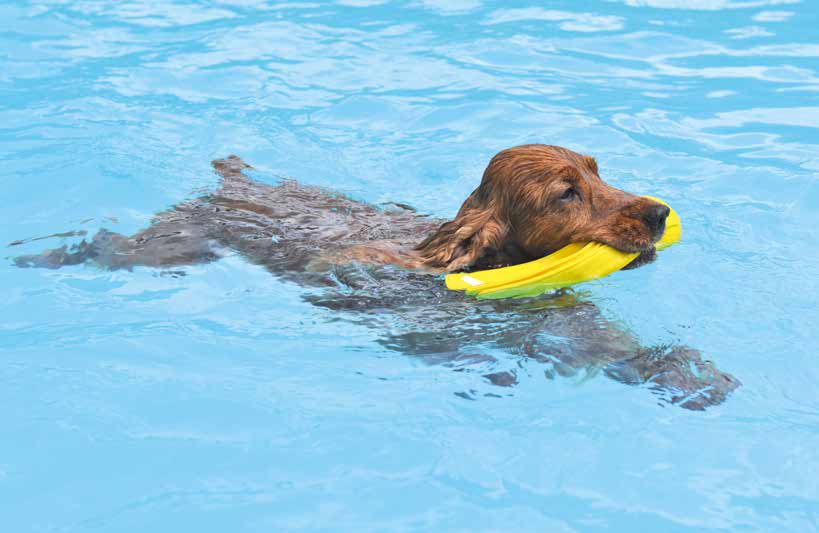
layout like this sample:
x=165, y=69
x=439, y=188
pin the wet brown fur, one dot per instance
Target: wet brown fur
x=519, y=212
x=373, y=270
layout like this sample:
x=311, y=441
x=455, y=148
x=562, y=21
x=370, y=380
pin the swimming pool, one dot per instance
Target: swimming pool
x=218, y=398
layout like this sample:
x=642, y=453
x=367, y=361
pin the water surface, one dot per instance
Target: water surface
x=217, y=398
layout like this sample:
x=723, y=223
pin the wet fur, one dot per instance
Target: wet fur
x=374, y=270
x=517, y=213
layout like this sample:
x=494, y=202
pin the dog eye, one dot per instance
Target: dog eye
x=569, y=193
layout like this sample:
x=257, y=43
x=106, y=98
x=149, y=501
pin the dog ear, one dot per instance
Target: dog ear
x=459, y=243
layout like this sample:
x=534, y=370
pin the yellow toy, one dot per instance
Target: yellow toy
x=572, y=264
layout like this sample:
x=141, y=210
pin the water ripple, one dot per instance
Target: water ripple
x=218, y=397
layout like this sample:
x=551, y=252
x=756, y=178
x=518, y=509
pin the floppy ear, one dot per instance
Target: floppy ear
x=459, y=243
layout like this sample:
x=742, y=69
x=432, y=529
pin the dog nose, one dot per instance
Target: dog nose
x=655, y=216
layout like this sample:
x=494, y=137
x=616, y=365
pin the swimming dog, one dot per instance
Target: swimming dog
x=379, y=265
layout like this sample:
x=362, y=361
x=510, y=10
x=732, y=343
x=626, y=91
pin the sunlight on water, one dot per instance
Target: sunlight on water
x=219, y=397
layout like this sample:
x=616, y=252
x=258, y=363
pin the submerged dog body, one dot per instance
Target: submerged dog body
x=532, y=200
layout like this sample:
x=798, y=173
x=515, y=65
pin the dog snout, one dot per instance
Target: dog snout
x=655, y=216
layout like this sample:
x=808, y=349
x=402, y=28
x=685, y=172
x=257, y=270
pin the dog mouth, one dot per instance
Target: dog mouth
x=645, y=257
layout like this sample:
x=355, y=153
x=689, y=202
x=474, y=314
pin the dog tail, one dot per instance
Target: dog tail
x=230, y=167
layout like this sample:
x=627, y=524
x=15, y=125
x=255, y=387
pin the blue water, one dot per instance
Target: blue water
x=221, y=400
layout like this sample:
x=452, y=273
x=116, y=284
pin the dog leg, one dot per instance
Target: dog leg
x=678, y=374
x=56, y=257
x=161, y=245
x=177, y=237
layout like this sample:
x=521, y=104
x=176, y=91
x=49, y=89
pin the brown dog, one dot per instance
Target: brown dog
x=532, y=200
x=535, y=199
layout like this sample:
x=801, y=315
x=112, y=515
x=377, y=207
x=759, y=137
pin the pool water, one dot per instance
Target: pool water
x=218, y=398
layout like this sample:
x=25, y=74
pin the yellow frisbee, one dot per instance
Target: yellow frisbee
x=572, y=264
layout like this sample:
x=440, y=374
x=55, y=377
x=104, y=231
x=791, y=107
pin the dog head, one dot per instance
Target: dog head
x=535, y=199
